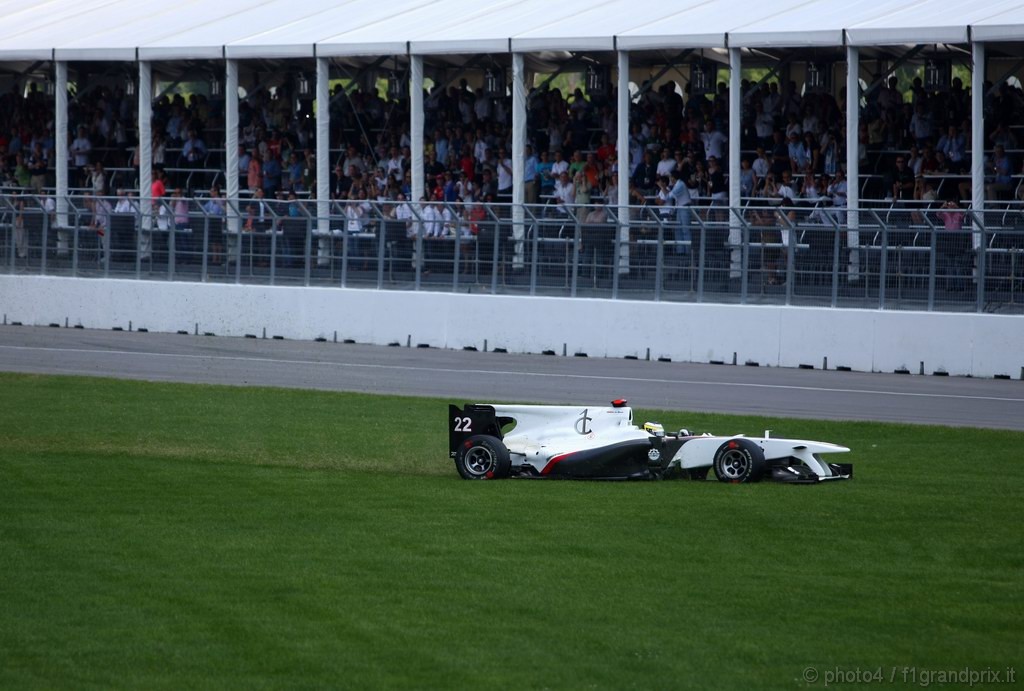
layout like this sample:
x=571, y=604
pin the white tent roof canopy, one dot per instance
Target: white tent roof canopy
x=125, y=30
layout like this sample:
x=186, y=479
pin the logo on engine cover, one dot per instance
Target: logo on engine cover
x=654, y=454
x=581, y=422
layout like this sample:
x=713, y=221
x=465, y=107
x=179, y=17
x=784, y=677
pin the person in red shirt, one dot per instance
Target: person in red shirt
x=606, y=149
x=158, y=189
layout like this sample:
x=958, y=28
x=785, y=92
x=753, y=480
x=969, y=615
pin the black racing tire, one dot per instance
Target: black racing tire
x=483, y=457
x=739, y=460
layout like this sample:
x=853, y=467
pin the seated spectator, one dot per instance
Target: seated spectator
x=953, y=146
x=901, y=180
x=785, y=188
x=999, y=173
x=565, y=193
x=193, y=153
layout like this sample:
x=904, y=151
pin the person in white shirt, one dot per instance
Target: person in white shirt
x=680, y=196
x=433, y=221
x=785, y=189
x=760, y=166
x=714, y=141
x=482, y=106
x=837, y=189
x=764, y=124
x=565, y=193
x=504, y=175
x=81, y=147
x=559, y=166
x=394, y=163
x=480, y=150
x=666, y=164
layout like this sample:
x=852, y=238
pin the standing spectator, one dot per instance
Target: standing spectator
x=714, y=141
x=244, y=159
x=681, y=200
x=954, y=146
x=37, y=167
x=530, y=187
x=254, y=172
x=81, y=148
x=545, y=174
x=98, y=180
x=272, y=176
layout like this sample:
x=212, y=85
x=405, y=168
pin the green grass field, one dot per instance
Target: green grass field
x=177, y=536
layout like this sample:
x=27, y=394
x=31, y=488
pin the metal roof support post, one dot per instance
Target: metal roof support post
x=145, y=140
x=231, y=151
x=735, y=127
x=622, y=155
x=978, y=158
x=416, y=126
x=323, y=144
x=518, y=158
x=737, y=263
x=852, y=162
x=61, y=139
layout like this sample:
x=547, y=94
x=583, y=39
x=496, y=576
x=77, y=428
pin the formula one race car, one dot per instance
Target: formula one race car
x=540, y=441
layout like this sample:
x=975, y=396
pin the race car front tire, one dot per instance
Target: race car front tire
x=483, y=457
x=739, y=460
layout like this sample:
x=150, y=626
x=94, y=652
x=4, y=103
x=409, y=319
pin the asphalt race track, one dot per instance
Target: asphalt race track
x=479, y=377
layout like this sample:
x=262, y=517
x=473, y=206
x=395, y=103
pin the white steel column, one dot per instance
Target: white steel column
x=416, y=125
x=145, y=138
x=852, y=161
x=518, y=157
x=735, y=127
x=231, y=143
x=323, y=144
x=978, y=133
x=61, y=140
x=622, y=156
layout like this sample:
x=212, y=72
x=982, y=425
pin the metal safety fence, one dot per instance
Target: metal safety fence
x=900, y=257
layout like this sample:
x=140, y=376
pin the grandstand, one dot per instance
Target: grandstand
x=709, y=155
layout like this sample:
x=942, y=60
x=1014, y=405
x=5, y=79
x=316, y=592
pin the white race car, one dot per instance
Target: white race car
x=544, y=441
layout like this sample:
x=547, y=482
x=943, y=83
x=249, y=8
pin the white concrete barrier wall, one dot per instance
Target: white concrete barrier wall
x=981, y=345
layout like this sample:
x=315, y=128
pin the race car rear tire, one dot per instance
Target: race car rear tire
x=739, y=460
x=483, y=457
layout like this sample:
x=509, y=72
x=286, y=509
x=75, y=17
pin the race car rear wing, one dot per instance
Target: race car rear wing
x=471, y=420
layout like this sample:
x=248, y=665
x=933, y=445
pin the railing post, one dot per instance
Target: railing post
x=105, y=240
x=494, y=256
x=790, y=263
x=576, y=237
x=381, y=244
x=418, y=270
x=620, y=226
x=232, y=224
x=206, y=248
x=307, y=250
x=456, y=253
x=883, y=265
x=535, y=243
x=344, y=258
x=659, y=259
x=74, y=243
x=932, y=249
x=836, y=247
x=138, y=241
x=46, y=227
x=744, y=256
x=982, y=265
x=700, y=257
x=172, y=245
